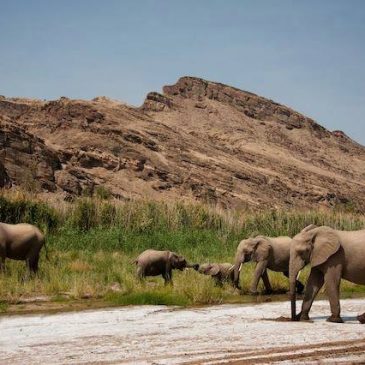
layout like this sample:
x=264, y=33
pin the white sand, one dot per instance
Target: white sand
x=161, y=335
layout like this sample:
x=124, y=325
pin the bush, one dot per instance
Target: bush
x=83, y=216
x=27, y=211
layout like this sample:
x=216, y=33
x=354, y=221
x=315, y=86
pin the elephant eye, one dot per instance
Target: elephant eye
x=302, y=249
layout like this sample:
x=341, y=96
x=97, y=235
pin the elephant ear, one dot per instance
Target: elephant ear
x=262, y=247
x=308, y=228
x=174, y=259
x=213, y=270
x=325, y=244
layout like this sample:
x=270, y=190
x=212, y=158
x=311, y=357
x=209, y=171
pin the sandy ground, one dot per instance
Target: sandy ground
x=239, y=334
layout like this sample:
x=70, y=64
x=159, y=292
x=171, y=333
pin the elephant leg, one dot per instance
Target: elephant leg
x=218, y=281
x=2, y=264
x=231, y=279
x=140, y=273
x=259, y=270
x=167, y=275
x=361, y=318
x=265, y=279
x=27, y=272
x=32, y=263
x=298, y=284
x=2, y=258
x=332, y=279
x=314, y=284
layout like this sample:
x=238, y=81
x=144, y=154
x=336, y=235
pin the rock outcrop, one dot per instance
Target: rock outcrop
x=25, y=159
x=5, y=181
x=198, y=139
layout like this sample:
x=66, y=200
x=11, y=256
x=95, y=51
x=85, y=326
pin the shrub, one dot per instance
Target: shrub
x=84, y=214
x=27, y=211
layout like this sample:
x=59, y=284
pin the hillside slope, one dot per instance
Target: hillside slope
x=198, y=139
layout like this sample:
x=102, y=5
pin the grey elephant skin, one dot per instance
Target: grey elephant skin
x=332, y=255
x=220, y=272
x=21, y=242
x=154, y=263
x=269, y=253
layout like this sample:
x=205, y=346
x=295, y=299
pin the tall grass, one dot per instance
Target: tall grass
x=18, y=209
x=93, y=242
x=141, y=216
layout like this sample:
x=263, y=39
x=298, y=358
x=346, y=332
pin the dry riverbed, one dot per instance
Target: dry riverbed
x=241, y=334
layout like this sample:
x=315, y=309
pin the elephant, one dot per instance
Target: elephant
x=153, y=263
x=219, y=272
x=332, y=255
x=21, y=242
x=269, y=253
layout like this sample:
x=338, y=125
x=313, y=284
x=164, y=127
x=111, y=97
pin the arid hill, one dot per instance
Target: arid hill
x=198, y=139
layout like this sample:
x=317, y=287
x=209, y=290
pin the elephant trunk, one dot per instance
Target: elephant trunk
x=240, y=258
x=295, y=266
x=293, y=300
x=192, y=266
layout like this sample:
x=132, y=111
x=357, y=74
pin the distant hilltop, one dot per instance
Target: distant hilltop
x=198, y=140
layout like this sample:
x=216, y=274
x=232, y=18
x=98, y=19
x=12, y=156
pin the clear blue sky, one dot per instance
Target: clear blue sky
x=309, y=55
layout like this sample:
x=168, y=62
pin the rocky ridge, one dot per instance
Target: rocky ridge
x=198, y=139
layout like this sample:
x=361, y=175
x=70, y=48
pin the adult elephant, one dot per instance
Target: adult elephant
x=21, y=242
x=333, y=255
x=154, y=263
x=269, y=253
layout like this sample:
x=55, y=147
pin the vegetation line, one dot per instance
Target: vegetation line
x=93, y=241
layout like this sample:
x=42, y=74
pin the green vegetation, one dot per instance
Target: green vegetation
x=3, y=307
x=92, y=244
x=25, y=210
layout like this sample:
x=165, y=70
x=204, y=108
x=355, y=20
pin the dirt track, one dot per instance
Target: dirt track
x=158, y=335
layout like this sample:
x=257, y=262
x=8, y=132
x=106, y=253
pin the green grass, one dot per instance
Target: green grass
x=92, y=244
x=157, y=297
x=3, y=306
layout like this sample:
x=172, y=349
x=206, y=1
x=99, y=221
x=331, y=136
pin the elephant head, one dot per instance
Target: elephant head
x=179, y=262
x=312, y=245
x=256, y=248
x=209, y=269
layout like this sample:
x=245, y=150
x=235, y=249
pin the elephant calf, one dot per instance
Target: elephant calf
x=153, y=263
x=268, y=253
x=21, y=242
x=219, y=272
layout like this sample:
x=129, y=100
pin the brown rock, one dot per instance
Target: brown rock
x=198, y=139
x=157, y=102
x=5, y=181
x=25, y=158
x=68, y=182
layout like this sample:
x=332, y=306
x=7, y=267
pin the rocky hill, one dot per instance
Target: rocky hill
x=198, y=139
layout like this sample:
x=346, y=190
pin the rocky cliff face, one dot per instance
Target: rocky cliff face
x=199, y=139
x=26, y=159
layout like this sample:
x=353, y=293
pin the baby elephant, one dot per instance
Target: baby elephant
x=153, y=263
x=219, y=272
x=20, y=242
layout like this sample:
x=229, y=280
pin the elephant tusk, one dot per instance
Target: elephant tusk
x=239, y=269
x=298, y=275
